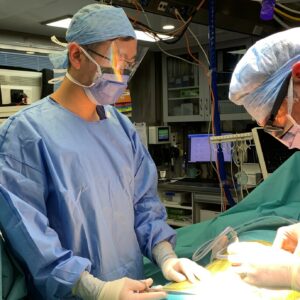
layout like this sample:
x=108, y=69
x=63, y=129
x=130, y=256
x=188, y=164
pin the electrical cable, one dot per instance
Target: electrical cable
x=187, y=23
x=216, y=169
x=286, y=15
x=177, y=14
x=180, y=58
x=280, y=22
x=232, y=177
x=217, y=127
x=155, y=33
x=164, y=51
x=288, y=8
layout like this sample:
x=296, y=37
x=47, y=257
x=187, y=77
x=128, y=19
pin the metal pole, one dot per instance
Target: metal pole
x=213, y=69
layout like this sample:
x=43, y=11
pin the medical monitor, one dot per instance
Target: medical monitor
x=271, y=153
x=15, y=82
x=200, y=149
x=159, y=134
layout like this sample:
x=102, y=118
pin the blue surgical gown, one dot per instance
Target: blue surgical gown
x=77, y=195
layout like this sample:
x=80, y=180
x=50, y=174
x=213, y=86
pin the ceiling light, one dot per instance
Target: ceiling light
x=63, y=22
x=148, y=37
x=168, y=27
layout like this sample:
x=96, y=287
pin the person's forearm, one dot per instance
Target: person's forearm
x=163, y=251
x=88, y=287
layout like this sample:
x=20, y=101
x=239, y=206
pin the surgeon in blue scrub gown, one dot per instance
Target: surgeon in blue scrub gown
x=79, y=202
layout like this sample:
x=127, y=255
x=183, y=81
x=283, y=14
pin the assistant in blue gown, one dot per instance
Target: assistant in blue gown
x=78, y=195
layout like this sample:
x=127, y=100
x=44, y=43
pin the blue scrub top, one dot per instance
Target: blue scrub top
x=77, y=195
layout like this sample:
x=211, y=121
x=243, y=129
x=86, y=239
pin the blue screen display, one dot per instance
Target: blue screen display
x=200, y=149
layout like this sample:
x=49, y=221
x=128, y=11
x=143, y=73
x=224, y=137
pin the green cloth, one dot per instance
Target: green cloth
x=277, y=196
x=12, y=282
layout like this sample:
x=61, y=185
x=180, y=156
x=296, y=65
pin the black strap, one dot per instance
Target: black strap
x=101, y=112
x=279, y=98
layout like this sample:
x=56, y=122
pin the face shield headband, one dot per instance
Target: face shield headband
x=270, y=128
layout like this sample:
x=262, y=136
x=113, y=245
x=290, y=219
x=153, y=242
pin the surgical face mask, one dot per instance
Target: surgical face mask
x=106, y=88
x=289, y=135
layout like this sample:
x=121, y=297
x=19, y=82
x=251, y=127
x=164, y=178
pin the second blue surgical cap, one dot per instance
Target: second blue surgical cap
x=258, y=76
x=95, y=23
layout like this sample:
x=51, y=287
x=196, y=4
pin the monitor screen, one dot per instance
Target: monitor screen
x=163, y=134
x=201, y=150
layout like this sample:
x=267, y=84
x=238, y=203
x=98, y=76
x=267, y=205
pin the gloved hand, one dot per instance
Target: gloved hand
x=129, y=289
x=288, y=238
x=90, y=288
x=180, y=269
x=265, y=266
x=177, y=269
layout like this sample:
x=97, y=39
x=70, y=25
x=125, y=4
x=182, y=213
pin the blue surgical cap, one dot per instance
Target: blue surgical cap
x=258, y=76
x=94, y=23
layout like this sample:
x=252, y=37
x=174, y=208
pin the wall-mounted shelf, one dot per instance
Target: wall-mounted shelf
x=184, y=98
x=183, y=88
x=167, y=204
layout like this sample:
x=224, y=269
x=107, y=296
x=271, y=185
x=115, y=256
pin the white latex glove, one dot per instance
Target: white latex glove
x=265, y=266
x=288, y=238
x=90, y=288
x=129, y=289
x=180, y=269
x=177, y=269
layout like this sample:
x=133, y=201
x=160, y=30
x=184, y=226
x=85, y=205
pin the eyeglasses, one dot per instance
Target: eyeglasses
x=129, y=65
x=99, y=54
x=270, y=128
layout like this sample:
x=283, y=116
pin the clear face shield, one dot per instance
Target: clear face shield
x=278, y=131
x=116, y=63
x=120, y=60
x=289, y=132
